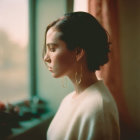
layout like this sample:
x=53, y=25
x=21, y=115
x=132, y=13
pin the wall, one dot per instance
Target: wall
x=47, y=87
x=130, y=55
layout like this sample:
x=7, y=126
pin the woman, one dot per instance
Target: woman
x=76, y=45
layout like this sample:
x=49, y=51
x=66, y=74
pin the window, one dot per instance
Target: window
x=81, y=5
x=14, y=79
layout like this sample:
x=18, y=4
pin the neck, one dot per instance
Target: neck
x=87, y=79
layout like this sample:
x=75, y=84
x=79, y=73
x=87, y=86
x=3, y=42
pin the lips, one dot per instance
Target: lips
x=50, y=68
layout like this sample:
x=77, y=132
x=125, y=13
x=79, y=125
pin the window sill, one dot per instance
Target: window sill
x=32, y=129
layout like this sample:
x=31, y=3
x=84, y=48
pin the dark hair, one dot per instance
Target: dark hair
x=82, y=30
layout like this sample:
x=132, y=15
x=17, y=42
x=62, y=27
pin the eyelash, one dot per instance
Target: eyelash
x=52, y=49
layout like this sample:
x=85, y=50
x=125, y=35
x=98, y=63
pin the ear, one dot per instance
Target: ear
x=79, y=53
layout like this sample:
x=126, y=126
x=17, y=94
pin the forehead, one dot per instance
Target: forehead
x=52, y=35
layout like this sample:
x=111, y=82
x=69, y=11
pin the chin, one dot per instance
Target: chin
x=57, y=75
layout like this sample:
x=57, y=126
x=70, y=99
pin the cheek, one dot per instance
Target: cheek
x=64, y=60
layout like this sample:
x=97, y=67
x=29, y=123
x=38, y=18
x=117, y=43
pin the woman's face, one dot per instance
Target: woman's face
x=59, y=59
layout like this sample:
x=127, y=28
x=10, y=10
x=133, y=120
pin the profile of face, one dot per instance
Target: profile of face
x=60, y=60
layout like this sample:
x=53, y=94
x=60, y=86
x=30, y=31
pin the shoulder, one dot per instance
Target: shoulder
x=92, y=107
x=98, y=101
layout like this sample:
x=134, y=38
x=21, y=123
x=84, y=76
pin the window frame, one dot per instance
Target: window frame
x=32, y=48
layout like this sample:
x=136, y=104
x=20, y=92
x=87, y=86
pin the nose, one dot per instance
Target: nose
x=47, y=58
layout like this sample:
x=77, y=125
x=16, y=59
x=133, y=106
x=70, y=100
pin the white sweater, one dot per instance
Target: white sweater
x=92, y=115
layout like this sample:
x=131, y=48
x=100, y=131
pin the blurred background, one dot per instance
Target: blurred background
x=23, y=73
x=14, y=34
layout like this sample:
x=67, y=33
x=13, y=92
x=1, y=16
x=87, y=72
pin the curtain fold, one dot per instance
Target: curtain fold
x=106, y=11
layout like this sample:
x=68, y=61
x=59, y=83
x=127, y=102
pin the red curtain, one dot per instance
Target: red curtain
x=106, y=11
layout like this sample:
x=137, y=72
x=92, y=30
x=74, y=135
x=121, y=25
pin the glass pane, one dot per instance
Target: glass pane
x=13, y=50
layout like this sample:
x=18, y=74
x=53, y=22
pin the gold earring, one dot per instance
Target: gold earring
x=78, y=80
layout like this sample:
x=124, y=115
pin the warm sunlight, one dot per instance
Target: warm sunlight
x=13, y=50
x=13, y=20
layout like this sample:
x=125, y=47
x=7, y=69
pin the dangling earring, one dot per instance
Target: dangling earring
x=64, y=82
x=78, y=80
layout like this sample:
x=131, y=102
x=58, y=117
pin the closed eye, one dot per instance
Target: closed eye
x=51, y=47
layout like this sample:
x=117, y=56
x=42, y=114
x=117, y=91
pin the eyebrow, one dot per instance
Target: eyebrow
x=48, y=44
